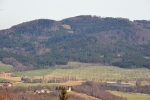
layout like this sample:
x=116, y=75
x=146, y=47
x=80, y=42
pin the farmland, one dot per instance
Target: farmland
x=83, y=71
x=89, y=71
x=49, y=84
x=5, y=67
x=132, y=96
x=35, y=72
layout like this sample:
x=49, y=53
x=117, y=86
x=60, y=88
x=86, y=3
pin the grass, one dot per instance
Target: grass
x=145, y=83
x=89, y=71
x=35, y=84
x=5, y=67
x=132, y=96
x=1, y=79
x=35, y=72
x=101, y=72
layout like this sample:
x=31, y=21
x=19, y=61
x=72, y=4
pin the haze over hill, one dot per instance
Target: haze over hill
x=43, y=43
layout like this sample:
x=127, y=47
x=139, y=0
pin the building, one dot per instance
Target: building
x=42, y=91
x=69, y=89
x=6, y=84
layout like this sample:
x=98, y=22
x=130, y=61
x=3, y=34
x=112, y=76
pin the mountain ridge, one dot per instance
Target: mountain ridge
x=91, y=39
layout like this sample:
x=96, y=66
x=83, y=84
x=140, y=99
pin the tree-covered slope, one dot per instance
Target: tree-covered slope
x=43, y=43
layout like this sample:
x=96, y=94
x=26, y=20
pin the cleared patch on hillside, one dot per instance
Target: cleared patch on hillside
x=5, y=67
x=66, y=26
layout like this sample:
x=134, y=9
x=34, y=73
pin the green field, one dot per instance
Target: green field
x=145, y=83
x=103, y=72
x=35, y=72
x=89, y=71
x=1, y=79
x=5, y=67
x=132, y=96
x=35, y=84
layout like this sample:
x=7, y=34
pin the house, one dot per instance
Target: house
x=42, y=91
x=6, y=84
x=37, y=91
x=46, y=90
x=69, y=89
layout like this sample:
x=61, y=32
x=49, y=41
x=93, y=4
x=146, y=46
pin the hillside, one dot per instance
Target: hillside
x=43, y=43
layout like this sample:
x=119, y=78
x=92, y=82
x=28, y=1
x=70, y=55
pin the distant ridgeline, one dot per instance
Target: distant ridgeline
x=43, y=43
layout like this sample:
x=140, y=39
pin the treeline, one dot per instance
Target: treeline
x=96, y=91
x=96, y=54
x=93, y=90
x=99, y=90
x=89, y=24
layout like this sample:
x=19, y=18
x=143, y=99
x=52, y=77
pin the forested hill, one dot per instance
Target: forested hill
x=44, y=43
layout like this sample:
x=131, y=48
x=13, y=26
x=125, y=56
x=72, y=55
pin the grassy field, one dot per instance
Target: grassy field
x=35, y=72
x=84, y=96
x=16, y=79
x=5, y=67
x=2, y=79
x=89, y=71
x=132, y=96
x=49, y=84
x=144, y=83
x=34, y=84
x=102, y=72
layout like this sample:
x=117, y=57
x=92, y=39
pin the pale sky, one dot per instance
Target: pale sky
x=13, y=12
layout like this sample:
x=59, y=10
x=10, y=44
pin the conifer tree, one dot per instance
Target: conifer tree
x=63, y=95
x=1, y=95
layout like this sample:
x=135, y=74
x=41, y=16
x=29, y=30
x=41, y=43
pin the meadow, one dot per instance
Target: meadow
x=132, y=96
x=2, y=79
x=5, y=67
x=73, y=83
x=89, y=71
x=41, y=72
x=34, y=84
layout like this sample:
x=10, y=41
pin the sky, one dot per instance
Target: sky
x=13, y=12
